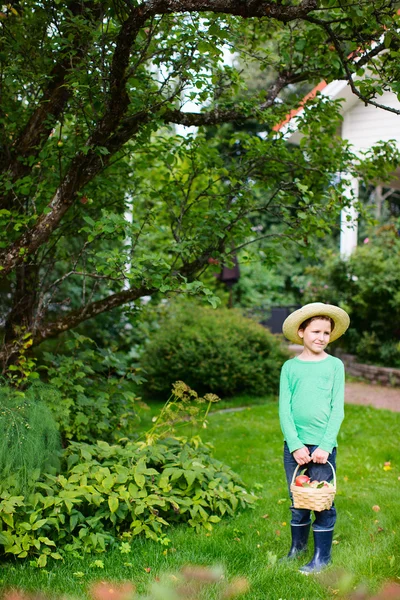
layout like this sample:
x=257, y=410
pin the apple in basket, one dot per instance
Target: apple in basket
x=304, y=481
x=325, y=484
x=301, y=480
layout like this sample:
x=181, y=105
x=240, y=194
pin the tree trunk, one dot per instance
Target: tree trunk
x=21, y=316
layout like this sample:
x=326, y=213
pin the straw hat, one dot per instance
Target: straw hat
x=315, y=309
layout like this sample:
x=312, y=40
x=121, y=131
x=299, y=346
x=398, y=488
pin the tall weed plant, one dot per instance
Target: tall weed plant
x=217, y=351
x=29, y=440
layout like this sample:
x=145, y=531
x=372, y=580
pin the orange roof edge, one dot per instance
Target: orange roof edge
x=295, y=111
x=312, y=94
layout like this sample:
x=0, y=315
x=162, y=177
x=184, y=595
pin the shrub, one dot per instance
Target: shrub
x=212, y=350
x=89, y=393
x=29, y=441
x=367, y=286
x=109, y=493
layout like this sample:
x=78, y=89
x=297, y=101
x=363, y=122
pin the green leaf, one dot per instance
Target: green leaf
x=133, y=490
x=214, y=519
x=163, y=481
x=39, y=524
x=113, y=503
x=190, y=476
x=69, y=505
x=73, y=521
x=42, y=561
x=8, y=519
x=6, y=538
x=89, y=220
x=103, y=150
x=45, y=540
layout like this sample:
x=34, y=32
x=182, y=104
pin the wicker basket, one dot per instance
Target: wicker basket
x=313, y=498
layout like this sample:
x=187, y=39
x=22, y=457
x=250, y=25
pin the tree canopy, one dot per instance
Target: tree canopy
x=96, y=186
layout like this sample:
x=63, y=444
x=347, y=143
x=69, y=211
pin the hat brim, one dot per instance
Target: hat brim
x=292, y=323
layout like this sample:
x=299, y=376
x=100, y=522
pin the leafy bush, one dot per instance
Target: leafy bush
x=89, y=393
x=366, y=285
x=212, y=350
x=111, y=493
x=107, y=494
x=29, y=441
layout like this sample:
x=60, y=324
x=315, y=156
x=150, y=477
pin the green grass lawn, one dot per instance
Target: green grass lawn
x=367, y=541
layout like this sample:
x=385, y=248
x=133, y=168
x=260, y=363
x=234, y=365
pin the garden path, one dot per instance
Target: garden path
x=368, y=394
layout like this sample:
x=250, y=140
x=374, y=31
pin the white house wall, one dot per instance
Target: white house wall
x=363, y=126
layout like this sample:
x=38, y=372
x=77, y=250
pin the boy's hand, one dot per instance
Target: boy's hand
x=302, y=456
x=319, y=456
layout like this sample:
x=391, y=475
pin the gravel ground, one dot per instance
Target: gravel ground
x=378, y=396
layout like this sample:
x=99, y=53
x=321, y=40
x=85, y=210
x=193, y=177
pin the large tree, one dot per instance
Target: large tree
x=101, y=203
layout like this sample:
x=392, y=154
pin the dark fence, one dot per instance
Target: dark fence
x=277, y=316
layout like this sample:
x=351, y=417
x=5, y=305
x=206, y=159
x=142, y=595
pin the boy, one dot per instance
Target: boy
x=311, y=410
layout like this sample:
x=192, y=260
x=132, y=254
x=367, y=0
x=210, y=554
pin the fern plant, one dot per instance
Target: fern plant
x=30, y=441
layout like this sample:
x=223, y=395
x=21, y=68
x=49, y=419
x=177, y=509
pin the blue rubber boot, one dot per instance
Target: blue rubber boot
x=322, y=552
x=299, y=540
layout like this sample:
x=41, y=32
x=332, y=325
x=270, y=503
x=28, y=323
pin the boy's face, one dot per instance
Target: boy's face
x=316, y=335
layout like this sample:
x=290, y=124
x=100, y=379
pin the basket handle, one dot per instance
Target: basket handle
x=331, y=466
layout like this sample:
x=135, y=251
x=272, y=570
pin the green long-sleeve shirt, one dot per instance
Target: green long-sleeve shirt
x=311, y=402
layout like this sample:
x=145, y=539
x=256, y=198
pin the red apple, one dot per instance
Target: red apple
x=300, y=479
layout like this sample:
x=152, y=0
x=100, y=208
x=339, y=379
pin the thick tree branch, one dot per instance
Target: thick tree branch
x=53, y=101
x=118, y=99
x=24, y=299
x=217, y=115
x=89, y=311
x=242, y=8
x=366, y=57
x=73, y=319
x=83, y=168
x=92, y=309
